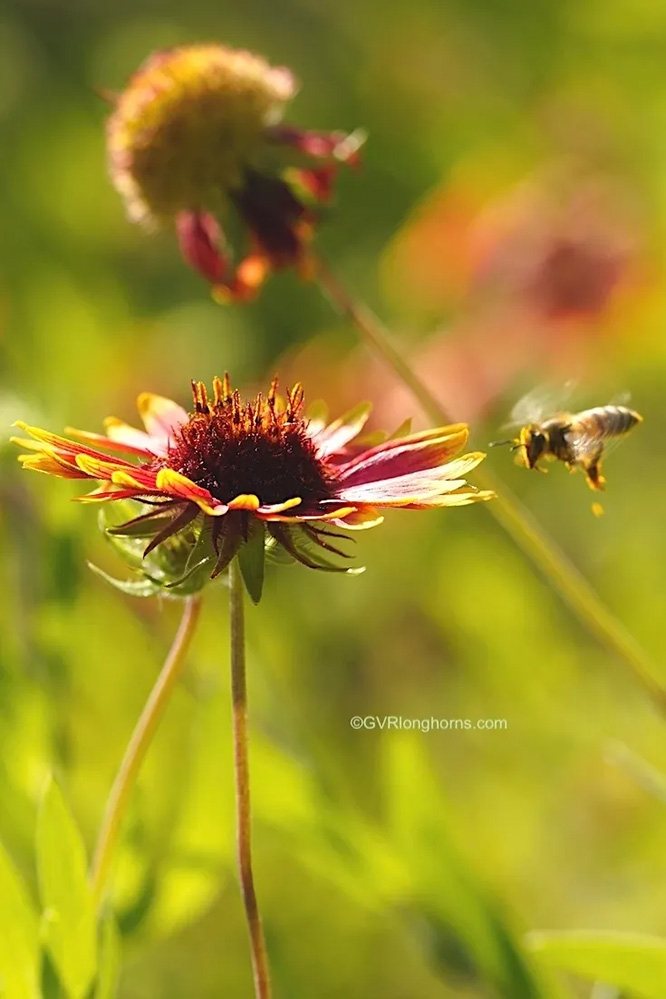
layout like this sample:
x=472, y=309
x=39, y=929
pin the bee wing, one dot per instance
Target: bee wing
x=586, y=446
x=541, y=403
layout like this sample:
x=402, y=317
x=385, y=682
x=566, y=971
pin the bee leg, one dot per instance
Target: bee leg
x=595, y=479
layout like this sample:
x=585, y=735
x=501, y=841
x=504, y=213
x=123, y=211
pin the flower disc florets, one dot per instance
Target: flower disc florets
x=233, y=448
x=188, y=125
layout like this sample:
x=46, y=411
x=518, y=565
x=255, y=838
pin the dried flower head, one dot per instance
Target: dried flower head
x=197, y=130
x=235, y=477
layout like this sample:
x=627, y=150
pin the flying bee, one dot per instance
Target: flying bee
x=577, y=439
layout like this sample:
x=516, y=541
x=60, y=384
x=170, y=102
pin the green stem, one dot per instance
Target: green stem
x=140, y=740
x=262, y=984
x=507, y=509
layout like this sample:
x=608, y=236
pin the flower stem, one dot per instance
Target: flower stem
x=262, y=985
x=137, y=748
x=516, y=520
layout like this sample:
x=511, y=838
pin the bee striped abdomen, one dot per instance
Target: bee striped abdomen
x=609, y=421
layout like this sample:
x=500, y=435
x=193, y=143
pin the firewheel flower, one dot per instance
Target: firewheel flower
x=199, y=130
x=234, y=475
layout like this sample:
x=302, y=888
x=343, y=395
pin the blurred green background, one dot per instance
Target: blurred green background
x=390, y=865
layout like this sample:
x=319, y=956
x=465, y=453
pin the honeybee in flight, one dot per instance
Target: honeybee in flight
x=577, y=439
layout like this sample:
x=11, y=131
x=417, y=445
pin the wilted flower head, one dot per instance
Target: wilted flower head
x=232, y=477
x=198, y=130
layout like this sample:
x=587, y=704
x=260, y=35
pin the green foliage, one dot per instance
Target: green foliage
x=386, y=867
x=465, y=929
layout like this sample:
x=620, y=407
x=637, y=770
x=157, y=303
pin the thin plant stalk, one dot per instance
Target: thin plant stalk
x=507, y=509
x=140, y=740
x=262, y=984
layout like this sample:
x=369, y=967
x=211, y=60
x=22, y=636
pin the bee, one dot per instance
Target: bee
x=577, y=439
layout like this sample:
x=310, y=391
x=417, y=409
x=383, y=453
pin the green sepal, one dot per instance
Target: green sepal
x=276, y=553
x=305, y=550
x=179, y=566
x=142, y=526
x=192, y=574
x=252, y=557
x=227, y=549
x=144, y=587
x=203, y=547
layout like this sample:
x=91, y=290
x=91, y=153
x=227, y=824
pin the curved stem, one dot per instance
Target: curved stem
x=137, y=748
x=262, y=985
x=516, y=520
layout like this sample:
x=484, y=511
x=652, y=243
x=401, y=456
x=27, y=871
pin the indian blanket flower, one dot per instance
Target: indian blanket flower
x=232, y=472
x=199, y=130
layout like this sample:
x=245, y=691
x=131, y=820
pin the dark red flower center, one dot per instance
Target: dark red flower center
x=232, y=448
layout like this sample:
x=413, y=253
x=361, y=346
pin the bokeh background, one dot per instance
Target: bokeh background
x=509, y=224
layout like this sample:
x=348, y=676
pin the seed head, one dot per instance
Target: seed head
x=188, y=125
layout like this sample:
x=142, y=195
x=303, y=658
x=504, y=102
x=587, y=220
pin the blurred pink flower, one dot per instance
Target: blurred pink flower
x=533, y=280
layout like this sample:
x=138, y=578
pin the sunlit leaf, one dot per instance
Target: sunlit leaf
x=108, y=972
x=646, y=776
x=631, y=961
x=19, y=936
x=456, y=918
x=69, y=924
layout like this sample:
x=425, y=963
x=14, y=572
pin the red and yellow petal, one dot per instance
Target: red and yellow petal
x=121, y=433
x=462, y=496
x=405, y=455
x=51, y=463
x=108, y=492
x=116, y=444
x=138, y=478
x=333, y=438
x=161, y=416
x=63, y=444
x=319, y=513
x=269, y=511
x=243, y=284
x=360, y=519
x=342, y=147
x=174, y=484
x=427, y=484
x=202, y=244
x=245, y=501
